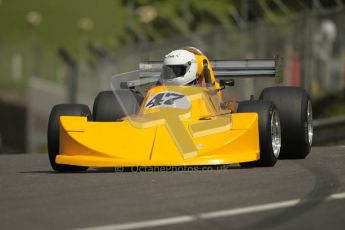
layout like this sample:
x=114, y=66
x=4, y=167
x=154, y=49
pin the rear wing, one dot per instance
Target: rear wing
x=225, y=68
x=245, y=68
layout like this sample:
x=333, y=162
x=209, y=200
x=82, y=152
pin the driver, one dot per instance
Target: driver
x=187, y=66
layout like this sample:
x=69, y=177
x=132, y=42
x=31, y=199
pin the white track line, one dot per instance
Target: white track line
x=250, y=209
x=146, y=224
x=207, y=215
x=336, y=196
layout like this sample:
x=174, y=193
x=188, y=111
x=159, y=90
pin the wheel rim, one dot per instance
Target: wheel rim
x=275, y=133
x=310, y=123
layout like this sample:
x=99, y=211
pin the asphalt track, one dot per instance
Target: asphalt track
x=295, y=194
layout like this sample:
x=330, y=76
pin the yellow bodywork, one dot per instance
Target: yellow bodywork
x=201, y=134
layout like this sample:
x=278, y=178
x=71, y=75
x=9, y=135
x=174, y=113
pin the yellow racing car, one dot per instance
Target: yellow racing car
x=171, y=113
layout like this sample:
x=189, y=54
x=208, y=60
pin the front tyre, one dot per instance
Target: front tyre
x=269, y=131
x=54, y=133
x=295, y=110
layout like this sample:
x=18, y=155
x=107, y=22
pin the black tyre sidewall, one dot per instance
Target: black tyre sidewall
x=53, y=134
x=265, y=111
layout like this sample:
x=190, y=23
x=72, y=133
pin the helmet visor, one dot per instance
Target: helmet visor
x=173, y=71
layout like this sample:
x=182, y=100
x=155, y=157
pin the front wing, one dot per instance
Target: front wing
x=119, y=144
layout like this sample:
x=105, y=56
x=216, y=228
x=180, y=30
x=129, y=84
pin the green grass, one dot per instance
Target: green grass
x=329, y=106
x=59, y=24
x=58, y=28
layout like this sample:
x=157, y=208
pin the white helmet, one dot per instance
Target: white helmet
x=179, y=68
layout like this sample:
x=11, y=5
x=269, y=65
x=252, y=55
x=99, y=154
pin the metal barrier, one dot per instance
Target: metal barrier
x=329, y=130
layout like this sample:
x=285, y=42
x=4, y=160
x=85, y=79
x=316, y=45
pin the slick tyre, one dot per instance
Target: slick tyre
x=54, y=132
x=107, y=106
x=269, y=131
x=295, y=110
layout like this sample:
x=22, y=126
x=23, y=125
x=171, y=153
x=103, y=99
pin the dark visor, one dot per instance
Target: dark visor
x=173, y=71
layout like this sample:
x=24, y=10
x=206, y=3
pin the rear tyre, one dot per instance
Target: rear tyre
x=54, y=132
x=294, y=107
x=107, y=107
x=269, y=131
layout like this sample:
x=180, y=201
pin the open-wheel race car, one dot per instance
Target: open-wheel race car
x=171, y=113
